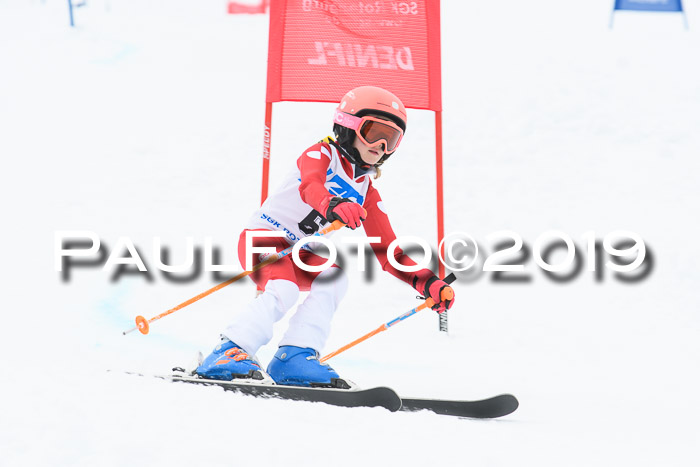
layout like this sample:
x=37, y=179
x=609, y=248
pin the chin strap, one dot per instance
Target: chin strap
x=351, y=154
x=361, y=168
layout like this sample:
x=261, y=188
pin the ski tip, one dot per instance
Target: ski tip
x=511, y=398
x=508, y=403
x=492, y=407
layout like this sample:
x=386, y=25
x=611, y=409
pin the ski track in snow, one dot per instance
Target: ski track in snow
x=146, y=120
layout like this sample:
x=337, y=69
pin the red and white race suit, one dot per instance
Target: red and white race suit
x=298, y=209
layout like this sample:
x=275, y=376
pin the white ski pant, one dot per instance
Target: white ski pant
x=311, y=323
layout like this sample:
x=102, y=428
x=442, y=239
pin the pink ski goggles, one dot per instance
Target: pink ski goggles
x=372, y=131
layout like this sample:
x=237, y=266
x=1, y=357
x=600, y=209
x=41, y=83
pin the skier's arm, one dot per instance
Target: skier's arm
x=378, y=225
x=313, y=166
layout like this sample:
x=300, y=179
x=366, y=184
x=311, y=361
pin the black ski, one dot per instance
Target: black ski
x=493, y=407
x=373, y=397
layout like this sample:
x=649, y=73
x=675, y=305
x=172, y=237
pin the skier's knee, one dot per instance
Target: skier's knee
x=333, y=281
x=285, y=292
x=341, y=286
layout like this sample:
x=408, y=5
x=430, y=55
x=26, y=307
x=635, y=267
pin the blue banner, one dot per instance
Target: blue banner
x=649, y=5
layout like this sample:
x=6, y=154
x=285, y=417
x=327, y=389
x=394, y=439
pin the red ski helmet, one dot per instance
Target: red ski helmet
x=353, y=113
x=372, y=99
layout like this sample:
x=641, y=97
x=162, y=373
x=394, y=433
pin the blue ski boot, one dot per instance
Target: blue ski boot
x=228, y=361
x=297, y=366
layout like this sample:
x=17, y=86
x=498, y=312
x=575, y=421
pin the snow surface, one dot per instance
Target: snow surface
x=146, y=120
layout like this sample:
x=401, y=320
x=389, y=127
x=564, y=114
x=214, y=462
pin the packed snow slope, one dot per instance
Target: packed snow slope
x=145, y=120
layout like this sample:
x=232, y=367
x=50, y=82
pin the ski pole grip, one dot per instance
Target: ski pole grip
x=447, y=294
x=337, y=225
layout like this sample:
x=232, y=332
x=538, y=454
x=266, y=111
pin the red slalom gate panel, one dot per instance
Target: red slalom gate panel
x=320, y=49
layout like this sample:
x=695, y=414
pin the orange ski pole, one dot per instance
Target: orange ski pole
x=446, y=294
x=142, y=324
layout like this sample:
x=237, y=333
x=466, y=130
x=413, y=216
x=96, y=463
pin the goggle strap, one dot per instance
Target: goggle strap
x=347, y=120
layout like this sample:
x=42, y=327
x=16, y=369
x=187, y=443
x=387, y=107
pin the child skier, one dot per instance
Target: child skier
x=331, y=182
